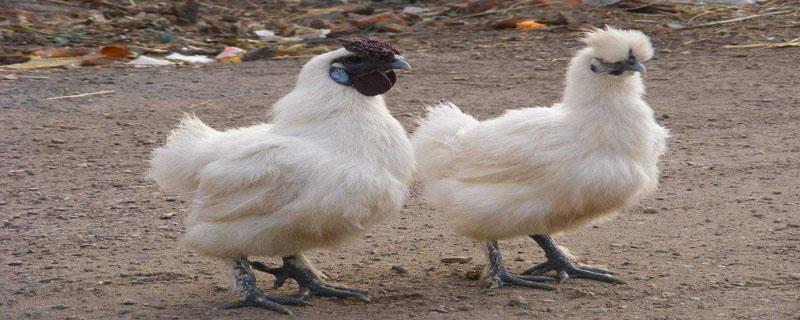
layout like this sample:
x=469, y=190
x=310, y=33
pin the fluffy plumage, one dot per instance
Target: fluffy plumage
x=332, y=163
x=546, y=170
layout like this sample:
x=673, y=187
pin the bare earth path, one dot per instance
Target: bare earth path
x=83, y=234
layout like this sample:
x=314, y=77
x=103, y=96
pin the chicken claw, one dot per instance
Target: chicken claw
x=565, y=266
x=498, y=276
x=295, y=267
x=250, y=296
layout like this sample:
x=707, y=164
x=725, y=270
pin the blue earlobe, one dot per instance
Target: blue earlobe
x=340, y=76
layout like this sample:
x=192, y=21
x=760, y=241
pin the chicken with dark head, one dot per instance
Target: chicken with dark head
x=332, y=163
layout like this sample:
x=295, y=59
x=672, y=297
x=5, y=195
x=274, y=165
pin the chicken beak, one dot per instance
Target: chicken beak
x=399, y=63
x=635, y=65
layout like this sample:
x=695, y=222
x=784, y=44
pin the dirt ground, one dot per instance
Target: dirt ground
x=85, y=236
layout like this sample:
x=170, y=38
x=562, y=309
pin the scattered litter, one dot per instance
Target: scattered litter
x=145, y=61
x=259, y=54
x=82, y=95
x=116, y=51
x=189, y=59
x=230, y=54
x=267, y=35
x=529, y=25
x=415, y=10
x=45, y=63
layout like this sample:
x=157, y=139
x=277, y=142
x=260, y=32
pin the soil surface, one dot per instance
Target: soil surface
x=85, y=236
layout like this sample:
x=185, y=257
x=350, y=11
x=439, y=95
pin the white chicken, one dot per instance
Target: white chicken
x=332, y=163
x=540, y=171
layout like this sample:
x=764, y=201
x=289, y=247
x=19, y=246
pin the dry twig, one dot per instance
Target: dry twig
x=82, y=95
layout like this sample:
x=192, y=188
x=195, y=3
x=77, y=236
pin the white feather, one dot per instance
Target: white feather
x=545, y=170
x=332, y=163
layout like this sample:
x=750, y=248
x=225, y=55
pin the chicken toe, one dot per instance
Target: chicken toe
x=498, y=276
x=250, y=296
x=565, y=266
x=299, y=269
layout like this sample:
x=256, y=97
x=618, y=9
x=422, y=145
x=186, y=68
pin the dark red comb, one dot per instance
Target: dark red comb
x=371, y=48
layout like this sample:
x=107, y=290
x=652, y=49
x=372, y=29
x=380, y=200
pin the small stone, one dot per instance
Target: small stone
x=439, y=309
x=650, y=210
x=59, y=307
x=57, y=141
x=523, y=312
x=464, y=307
x=128, y=302
x=695, y=298
x=460, y=260
x=795, y=276
x=15, y=263
x=399, y=269
x=167, y=215
x=518, y=301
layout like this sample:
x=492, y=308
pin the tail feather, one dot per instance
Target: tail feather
x=434, y=140
x=174, y=165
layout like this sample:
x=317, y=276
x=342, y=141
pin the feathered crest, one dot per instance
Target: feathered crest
x=371, y=48
x=612, y=44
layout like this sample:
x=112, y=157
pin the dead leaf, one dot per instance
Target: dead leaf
x=45, y=63
x=116, y=51
x=529, y=25
x=62, y=52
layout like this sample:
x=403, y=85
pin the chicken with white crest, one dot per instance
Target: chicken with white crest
x=332, y=163
x=542, y=171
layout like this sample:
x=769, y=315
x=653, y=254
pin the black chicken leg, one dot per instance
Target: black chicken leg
x=498, y=275
x=250, y=296
x=296, y=267
x=565, y=266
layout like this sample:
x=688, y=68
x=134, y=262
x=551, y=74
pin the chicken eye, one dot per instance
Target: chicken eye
x=340, y=76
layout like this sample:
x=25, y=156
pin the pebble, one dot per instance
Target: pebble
x=57, y=141
x=439, y=309
x=399, y=269
x=128, y=302
x=522, y=312
x=795, y=276
x=650, y=210
x=167, y=215
x=465, y=307
x=460, y=260
x=59, y=307
x=517, y=301
x=15, y=263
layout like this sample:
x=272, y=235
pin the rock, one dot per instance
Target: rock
x=399, y=269
x=57, y=141
x=460, y=260
x=128, y=302
x=518, y=301
x=522, y=312
x=795, y=276
x=650, y=210
x=59, y=307
x=439, y=309
x=464, y=307
x=15, y=263
x=167, y=215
